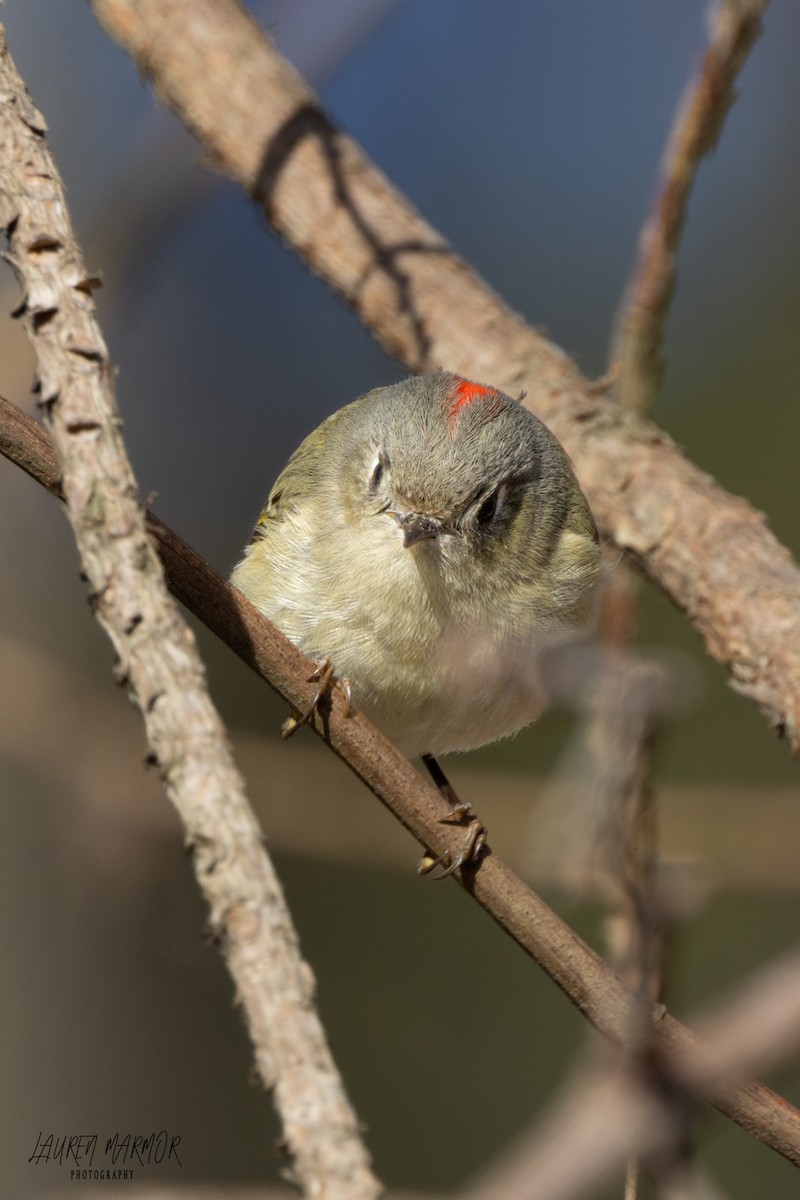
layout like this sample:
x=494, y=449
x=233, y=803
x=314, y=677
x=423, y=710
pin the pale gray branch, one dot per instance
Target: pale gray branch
x=158, y=662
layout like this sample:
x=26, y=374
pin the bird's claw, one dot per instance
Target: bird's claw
x=470, y=852
x=323, y=676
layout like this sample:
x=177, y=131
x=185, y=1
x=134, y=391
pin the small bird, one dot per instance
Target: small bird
x=429, y=541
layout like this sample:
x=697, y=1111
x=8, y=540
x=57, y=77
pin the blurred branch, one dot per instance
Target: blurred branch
x=625, y=707
x=304, y=816
x=580, y=973
x=756, y=1028
x=636, y=354
x=583, y=1142
x=157, y=186
x=710, y=552
x=607, y=1116
x=624, y=728
x=159, y=664
x=615, y=856
x=735, y=26
x=319, y=37
x=393, y=278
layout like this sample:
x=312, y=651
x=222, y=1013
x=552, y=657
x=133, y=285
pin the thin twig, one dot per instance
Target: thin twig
x=625, y=705
x=636, y=354
x=637, y=924
x=710, y=552
x=159, y=664
x=581, y=974
x=636, y=345
x=608, y=848
x=340, y=200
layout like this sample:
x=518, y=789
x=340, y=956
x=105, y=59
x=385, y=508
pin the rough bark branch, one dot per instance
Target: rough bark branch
x=159, y=663
x=212, y=64
x=711, y=553
x=735, y=26
x=580, y=973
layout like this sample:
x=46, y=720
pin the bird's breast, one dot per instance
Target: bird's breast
x=437, y=662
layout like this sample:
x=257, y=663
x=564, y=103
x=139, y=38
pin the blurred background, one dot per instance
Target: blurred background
x=530, y=135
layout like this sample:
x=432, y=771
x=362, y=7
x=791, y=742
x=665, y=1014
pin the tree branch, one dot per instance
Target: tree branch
x=580, y=973
x=211, y=62
x=710, y=552
x=619, y=1109
x=636, y=359
x=636, y=346
x=159, y=664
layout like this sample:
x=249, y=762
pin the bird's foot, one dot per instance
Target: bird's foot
x=323, y=676
x=471, y=850
x=460, y=813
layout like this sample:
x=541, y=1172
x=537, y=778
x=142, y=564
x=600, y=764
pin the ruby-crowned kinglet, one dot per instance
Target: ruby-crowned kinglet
x=429, y=540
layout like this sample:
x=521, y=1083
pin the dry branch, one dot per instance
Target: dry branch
x=619, y=1110
x=158, y=662
x=581, y=974
x=263, y=125
x=637, y=340
x=638, y=364
x=710, y=552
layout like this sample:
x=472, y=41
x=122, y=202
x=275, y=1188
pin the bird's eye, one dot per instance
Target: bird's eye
x=376, y=475
x=488, y=510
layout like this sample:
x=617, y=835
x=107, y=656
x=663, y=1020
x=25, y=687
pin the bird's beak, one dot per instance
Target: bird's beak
x=416, y=527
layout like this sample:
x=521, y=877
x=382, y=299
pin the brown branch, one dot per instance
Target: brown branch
x=580, y=973
x=159, y=663
x=636, y=356
x=711, y=553
x=431, y=310
x=703, y=107
x=611, y=1114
